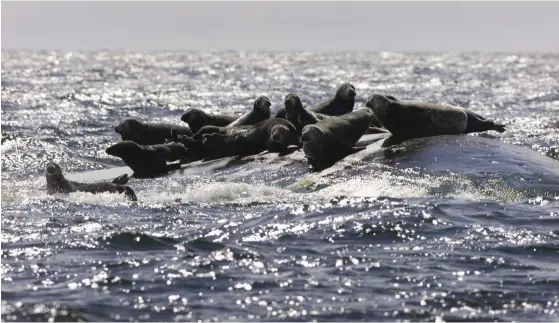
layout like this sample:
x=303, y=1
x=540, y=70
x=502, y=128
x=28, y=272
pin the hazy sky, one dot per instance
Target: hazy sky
x=264, y=25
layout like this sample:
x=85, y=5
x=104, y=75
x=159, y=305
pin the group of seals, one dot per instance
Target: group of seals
x=326, y=133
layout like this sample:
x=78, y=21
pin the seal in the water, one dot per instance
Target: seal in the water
x=148, y=133
x=274, y=135
x=260, y=112
x=341, y=103
x=57, y=183
x=197, y=118
x=407, y=119
x=332, y=139
x=149, y=160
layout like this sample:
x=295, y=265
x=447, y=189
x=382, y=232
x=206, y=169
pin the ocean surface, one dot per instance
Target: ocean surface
x=459, y=228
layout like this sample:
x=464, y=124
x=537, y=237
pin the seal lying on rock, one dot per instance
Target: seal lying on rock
x=57, y=183
x=407, y=119
x=342, y=102
x=260, y=112
x=149, y=160
x=332, y=139
x=148, y=133
x=197, y=118
x=274, y=135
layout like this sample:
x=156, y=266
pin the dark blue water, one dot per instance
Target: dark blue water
x=450, y=228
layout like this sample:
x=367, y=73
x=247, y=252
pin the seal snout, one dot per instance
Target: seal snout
x=186, y=117
x=264, y=102
x=347, y=91
x=351, y=93
x=53, y=169
x=291, y=101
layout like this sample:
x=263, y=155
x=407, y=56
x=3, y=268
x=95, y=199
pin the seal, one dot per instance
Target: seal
x=296, y=113
x=57, y=183
x=341, y=103
x=407, y=119
x=147, y=161
x=274, y=135
x=197, y=118
x=148, y=133
x=332, y=139
x=260, y=112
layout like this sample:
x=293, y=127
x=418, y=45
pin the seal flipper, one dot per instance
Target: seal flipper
x=477, y=123
x=354, y=150
x=374, y=130
x=121, y=180
x=128, y=192
x=498, y=127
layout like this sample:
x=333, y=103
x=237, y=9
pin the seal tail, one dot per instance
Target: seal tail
x=129, y=192
x=121, y=180
x=498, y=127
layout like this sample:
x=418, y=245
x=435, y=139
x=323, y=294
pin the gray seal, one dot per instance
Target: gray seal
x=57, y=183
x=197, y=118
x=273, y=135
x=296, y=113
x=148, y=161
x=407, y=119
x=260, y=112
x=148, y=133
x=332, y=139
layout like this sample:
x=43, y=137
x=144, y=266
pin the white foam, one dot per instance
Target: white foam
x=215, y=193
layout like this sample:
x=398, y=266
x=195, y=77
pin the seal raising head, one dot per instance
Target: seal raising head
x=346, y=91
x=260, y=112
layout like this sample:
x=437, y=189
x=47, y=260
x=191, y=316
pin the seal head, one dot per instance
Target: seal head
x=279, y=138
x=129, y=126
x=346, y=91
x=263, y=104
x=312, y=140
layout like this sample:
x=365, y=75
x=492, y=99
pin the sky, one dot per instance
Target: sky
x=282, y=26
